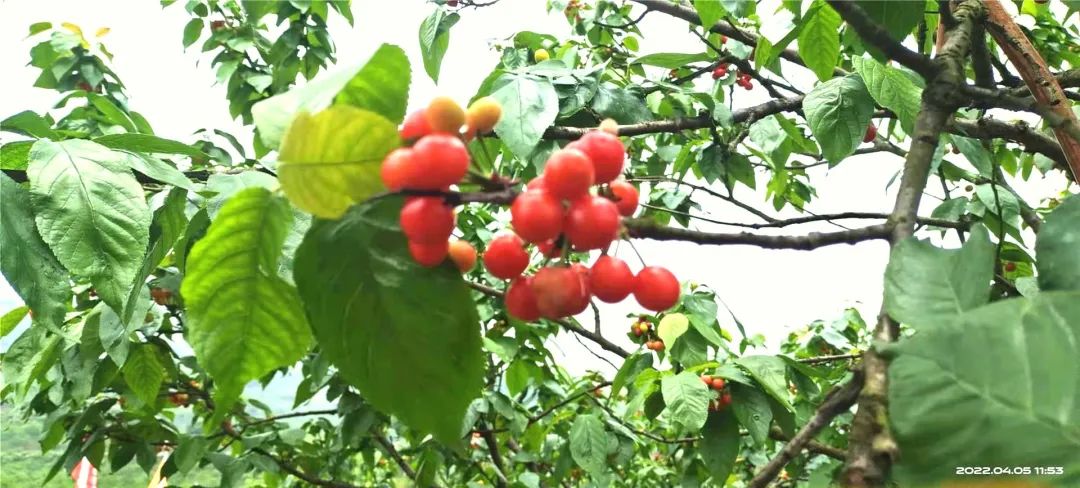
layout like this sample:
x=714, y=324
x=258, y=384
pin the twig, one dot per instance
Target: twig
x=839, y=400
x=572, y=327
x=389, y=448
x=827, y=359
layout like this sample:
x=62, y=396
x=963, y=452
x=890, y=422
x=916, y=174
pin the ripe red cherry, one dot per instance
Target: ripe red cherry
x=439, y=160
x=536, y=184
x=429, y=255
x=415, y=126
x=537, y=216
x=568, y=174
x=578, y=302
x=718, y=383
x=606, y=152
x=521, y=300
x=505, y=257
x=1010, y=266
x=656, y=289
x=426, y=220
x=719, y=72
x=626, y=197
x=549, y=249
x=871, y=133
x=610, y=279
x=560, y=292
x=592, y=222
x=463, y=255
x=396, y=171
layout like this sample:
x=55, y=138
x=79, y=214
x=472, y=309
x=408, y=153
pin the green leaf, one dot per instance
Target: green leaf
x=381, y=86
x=589, y=444
x=243, y=321
x=767, y=134
x=1058, y=247
x=11, y=319
x=39, y=27
x=687, y=400
x=671, y=327
x=819, y=39
x=770, y=372
x=975, y=153
x=924, y=283
x=192, y=31
x=709, y=11
x=434, y=39
x=672, y=60
x=838, y=112
x=898, y=18
x=406, y=336
x=91, y=212
x=891, y=89
x=146, y=143
x=751, y=407
x=529, y=106
x=364, y=86
x=1002, y=379
x=144, y=373
x=620, y=104
x=631, y=367
x=14, y=155
x=159, y=170
x=26, y=261
x=188, y=453
x=331, y=160
x=29, y=123
x=720, y=444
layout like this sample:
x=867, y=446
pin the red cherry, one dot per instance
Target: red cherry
x=610, y=279
x=723, y=39
x=426, y=220
x=568, y=174
x=656, y=289
x=592, y=222
x=725, y=400
x=707, y=380
x=626, y=197
x=580, y=301
x=521, y=300
x=606, y=152
x=1010, y=266
x=536, y=184
x=549, y=249
x=415, y=126
x=718, y=383
x=429, y=255
x=505, y=257
x=396, y=171
x=463, y=255
x=439, y=160
x=871, y=133
x=560, y=292
x=537, y=216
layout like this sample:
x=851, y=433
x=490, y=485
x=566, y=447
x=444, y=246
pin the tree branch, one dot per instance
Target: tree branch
x=837, y=401
x=871, y=448
x=566, y=324
x=650, y=230
x=876, y=35
x=389, y=448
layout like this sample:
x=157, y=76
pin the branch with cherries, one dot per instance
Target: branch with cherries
x=575, y=205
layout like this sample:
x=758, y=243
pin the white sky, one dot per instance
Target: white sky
x=770, y=291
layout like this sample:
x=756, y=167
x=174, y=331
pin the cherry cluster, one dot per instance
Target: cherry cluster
x=742, y=79
x=641, y=330
x=556, y=213
x=436, y=160
x=717, y=384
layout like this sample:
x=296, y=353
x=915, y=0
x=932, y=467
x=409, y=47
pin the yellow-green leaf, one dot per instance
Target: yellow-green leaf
x=672, y=326
x=331, y=160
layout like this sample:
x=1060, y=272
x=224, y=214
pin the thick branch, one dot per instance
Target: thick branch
x=747, y=115
x=872, y=448
x=876, y=35
x=650, y=230
x=839, y=400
